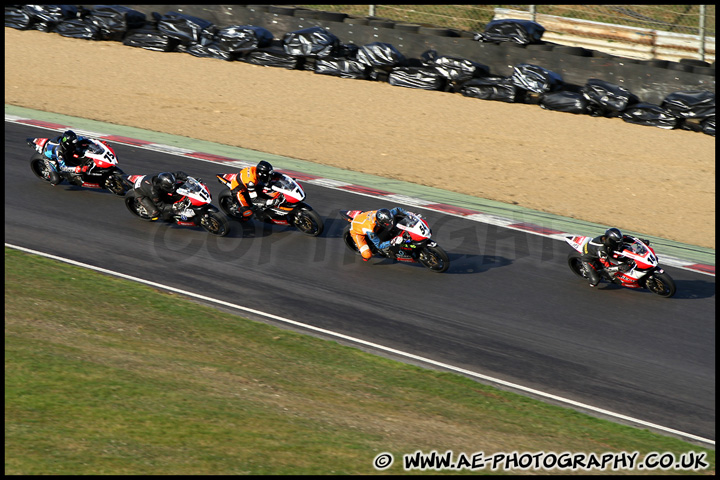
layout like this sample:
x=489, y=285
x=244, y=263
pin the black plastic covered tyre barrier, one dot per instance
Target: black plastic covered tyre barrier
x=569, y=50
x=694, y=62
x=381, y=23
x=440, y=32
x=280, y=10
x=356, y=21
x=407, y=27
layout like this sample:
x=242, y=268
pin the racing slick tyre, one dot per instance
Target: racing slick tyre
x=575, y=264
x=349, y=242
x=42, y=171
x=115, y=184
x=135, y=207
x=230, y=206
x=308, y=222
x=434, y=258
x=215, y=224
x=660, y=284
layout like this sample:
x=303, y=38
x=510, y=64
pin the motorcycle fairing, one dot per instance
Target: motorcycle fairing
x=577, y=242
x=416, y=227
x=289, y=188
x=195, y=191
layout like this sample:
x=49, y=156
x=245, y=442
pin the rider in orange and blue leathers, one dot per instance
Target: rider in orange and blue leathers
x=368, y=225
x=252, y=186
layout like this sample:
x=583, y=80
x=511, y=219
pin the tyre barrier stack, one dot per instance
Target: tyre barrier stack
x=501, y=64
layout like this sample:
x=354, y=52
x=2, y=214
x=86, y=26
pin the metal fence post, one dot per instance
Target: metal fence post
x=701, y=49
x=533, y=12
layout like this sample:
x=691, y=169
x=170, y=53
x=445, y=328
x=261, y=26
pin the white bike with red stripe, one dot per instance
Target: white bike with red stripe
x=102, y=172
x=411, y=242
x=634, y=265
x=193, y=209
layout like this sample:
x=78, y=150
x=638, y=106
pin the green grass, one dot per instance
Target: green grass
x=107, y=376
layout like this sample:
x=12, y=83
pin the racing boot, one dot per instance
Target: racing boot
x=244, y=213
x=258, y=211
x=166, y=212
x=388, y=252
x=592, y=275
x=76, y=180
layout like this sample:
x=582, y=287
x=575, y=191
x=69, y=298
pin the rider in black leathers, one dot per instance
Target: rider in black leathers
x=157, y=193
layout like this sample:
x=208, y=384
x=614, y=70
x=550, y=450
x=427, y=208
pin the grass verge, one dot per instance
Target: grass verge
x=106, y=376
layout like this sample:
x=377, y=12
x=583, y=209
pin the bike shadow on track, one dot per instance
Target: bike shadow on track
x=464, y=264
x=258, y=229
x=694, y=289
x=686, y=289
x=460, y=264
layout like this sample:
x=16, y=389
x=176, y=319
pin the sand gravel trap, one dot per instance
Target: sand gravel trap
x=602, y=170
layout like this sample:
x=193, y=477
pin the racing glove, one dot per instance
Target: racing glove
x=396, y=241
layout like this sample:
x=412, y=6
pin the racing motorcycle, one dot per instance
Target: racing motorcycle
x=635, y=266
x=291, y=209
x=193, y=209
x=411, y=237
x=103, y=172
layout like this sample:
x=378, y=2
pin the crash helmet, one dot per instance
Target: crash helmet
x=384, y=218
x=613, y=238
x=264, y=171
x=68, y=141
x=166, y=182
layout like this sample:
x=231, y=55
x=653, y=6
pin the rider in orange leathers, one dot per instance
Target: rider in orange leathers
x=252, y=187
x=368, y=225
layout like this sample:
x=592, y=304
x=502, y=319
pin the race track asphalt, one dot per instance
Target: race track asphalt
x=508, y=307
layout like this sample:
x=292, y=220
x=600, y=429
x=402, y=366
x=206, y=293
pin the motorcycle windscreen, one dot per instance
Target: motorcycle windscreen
x=290, y=189
x=415, y=227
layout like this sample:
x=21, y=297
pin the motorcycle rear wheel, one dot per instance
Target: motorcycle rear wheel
x=576, y=265
x=135, y=207
x=349, y=242
x=434, y=258
x=308, y=222
x=114, y=183
x=229, y=206
x=42, y=171
x=215, y=224
x=661, y=284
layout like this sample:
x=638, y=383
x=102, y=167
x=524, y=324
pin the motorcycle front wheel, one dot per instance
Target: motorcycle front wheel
x=661, y=284
x=215, y=224
x=434, y=258
x=42, y=171
x=308, y=222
